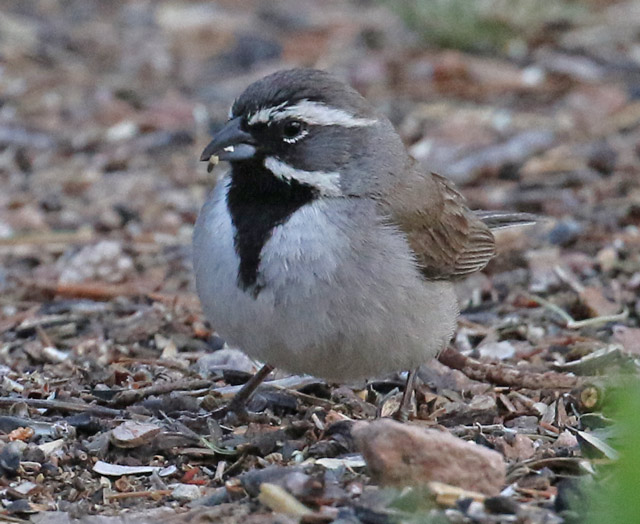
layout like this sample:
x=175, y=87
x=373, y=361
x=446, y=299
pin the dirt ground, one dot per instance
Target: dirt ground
x=106, y=361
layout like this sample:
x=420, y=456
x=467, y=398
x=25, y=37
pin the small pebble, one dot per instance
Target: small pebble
x=10, y=457
x=185, y=492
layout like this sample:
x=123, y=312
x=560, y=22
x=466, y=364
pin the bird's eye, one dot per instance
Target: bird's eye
x=293, y=130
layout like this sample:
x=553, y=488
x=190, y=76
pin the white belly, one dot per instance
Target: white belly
x=334, y=304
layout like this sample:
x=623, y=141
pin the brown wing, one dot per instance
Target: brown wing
x=449, y=241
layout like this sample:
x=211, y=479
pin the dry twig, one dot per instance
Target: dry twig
x=60, y=405
x=153, y=493
x=504, y=375
x=98, y=291
x=131, y=396
x=570, y=323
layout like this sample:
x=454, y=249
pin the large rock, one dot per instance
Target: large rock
x=405, y=455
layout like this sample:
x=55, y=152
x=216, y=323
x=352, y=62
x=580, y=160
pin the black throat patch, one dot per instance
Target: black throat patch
x=258, y=202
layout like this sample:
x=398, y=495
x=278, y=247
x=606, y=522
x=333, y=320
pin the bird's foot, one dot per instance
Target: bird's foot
x=238, y=405
x=401, y=414
x=236, y=413
x=238, y=410
x=405, y=408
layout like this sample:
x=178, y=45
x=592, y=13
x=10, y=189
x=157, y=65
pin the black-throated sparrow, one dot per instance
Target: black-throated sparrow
x=325, y=249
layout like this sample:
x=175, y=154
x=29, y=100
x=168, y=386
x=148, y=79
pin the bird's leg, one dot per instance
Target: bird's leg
x=238, y=404
x=242, y=396
x=405, y=404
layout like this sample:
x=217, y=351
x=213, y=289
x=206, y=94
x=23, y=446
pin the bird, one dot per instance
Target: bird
x=326, y=249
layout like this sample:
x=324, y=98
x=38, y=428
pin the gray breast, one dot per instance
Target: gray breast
x=342, y=297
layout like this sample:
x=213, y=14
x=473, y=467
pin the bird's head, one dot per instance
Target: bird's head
x=304, y=126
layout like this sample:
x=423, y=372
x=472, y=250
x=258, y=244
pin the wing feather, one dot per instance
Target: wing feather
x=448, y=239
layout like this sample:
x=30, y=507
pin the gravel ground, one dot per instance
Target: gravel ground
x=107, y=364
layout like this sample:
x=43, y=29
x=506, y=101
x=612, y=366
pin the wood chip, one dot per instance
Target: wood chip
x=280, y=501
x=132, y=434
x=116, y=470
x=448, y=495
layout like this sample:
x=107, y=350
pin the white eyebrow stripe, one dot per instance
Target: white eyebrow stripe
x=313, y=113
x=327, y=182
x=264, y=115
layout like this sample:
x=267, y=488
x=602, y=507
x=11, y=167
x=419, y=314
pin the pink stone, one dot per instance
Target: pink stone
x=408, y=455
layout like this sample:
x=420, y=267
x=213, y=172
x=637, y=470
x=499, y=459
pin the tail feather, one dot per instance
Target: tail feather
x=504, y=219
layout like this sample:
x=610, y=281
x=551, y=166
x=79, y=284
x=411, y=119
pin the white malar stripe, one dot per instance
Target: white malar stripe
x=327, y=182
x=313, y=113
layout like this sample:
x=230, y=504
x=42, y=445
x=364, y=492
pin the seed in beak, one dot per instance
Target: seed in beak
x=213, y=160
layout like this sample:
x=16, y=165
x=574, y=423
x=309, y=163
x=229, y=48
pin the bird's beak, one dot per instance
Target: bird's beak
x=230, y=143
